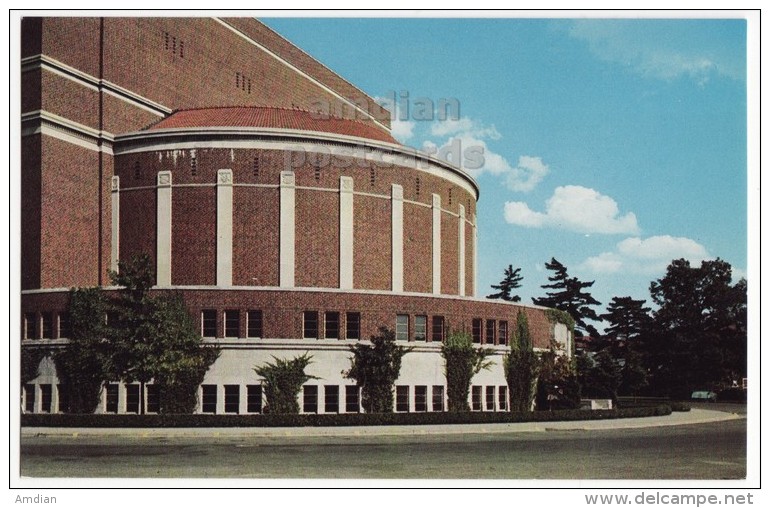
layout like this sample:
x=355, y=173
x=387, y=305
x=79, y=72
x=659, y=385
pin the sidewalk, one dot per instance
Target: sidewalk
x=678, y=418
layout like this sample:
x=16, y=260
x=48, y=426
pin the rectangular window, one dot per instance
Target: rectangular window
x=438, y=398
x=476, y=398
x=111, y=399
x=232, y=323
x=420, y=398
x=46, y=398
x=420, y=327
x=254, y=398
x=402, y=399
x=353, y=325
x=332, y=325
x=232, y=398
x=476, y=330
x=402, y=327
x=132, y=399
x=352, y=399
x=30, y=326
x=502, y=397
x=310, y=399
x=65, y=330
x=46, y=321
x=491, y=329
x=331, y=399
x=437, y=329
x=63, y=396
x=310, y=324
x=153, y=398
x=209, y=398
x=208, y=323
x=502, y=335
x=255, y=323
x=29, y=398
x=490, y=398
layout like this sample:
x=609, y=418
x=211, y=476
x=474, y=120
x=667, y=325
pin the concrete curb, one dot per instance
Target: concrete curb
x=693, y=416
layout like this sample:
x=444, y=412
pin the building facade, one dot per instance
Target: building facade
x=266, y=189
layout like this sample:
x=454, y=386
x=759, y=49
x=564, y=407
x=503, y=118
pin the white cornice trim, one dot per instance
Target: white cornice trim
x=287, y=139
x=299, y=71
x=49, y=124
x=373, y=292
x=47, y=63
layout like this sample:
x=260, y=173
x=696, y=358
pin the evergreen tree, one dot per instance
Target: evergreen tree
x=375, y=369
x=511, y=281
x=81, y=366
x=282, y=381
x=699, y=338
x=570, y=296
x=462, y=361
x=152, y=337
x=625, y=337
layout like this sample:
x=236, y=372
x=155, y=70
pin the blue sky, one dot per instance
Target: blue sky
x=614, y=146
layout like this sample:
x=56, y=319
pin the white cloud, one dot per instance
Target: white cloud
x=402, y=130
x=662, y=49
x=529, y=172
x=646, y=256
x=574, y=208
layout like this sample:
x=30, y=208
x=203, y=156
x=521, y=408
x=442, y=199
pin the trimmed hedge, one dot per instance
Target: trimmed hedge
x=329, y=420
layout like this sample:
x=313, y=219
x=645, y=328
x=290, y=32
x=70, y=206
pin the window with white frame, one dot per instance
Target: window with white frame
x=402, y=399
x=29, y=398
x=254, y=398
x=352, y=399
x=402, y=327
x=476, y=398
x=232, y=398
x=111, y=398
x=502, y=335
x=209, y=323
x=476, y=330
x=438, y=398
x=46, y=398
x=332, y=325
x=502, y=397
x=209, y=399
x=310, y=324
x=46, y=325
x=353, y=325
x=420, y=398
x=490, y=398
x=437, y=329
x=254, y=325
x=30, y=326
x=232, y=323
x=331, y=399
x=420, y=327
x=310, y=399
x=491, y=329
x=132, y=398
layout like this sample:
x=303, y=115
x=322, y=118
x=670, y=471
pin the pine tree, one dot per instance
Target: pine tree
x=570, y=297
x=512, y=280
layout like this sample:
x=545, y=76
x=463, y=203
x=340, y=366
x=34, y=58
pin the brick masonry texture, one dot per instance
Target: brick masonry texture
x=282, y=310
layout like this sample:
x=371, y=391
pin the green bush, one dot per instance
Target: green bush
x=328, y=420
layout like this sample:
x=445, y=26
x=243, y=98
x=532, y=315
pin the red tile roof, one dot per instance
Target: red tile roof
x=275, y=118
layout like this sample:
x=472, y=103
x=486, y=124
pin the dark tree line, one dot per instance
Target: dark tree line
x=695, y=337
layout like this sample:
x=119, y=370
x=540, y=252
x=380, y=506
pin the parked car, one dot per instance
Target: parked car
x=704, y=395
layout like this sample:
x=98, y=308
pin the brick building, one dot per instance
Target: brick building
x=207, y=144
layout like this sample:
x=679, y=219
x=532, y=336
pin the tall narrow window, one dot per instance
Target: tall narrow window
x=30, y=326
x=132, y=398
x=208, y=323
x=502, y=396
x=476, y=330
x=491, y=329
x=352, y=325
x=232, y=398
x=437, y=329
x=438, y=398
x=254, y=398
x=352, y=399
x=29, y=398
x=232, y=323
x=65, y=331
x=310, y=324
x=255, y=323
x=476, y=398
x=420, y=398
x=402, y=327
x=420, y=327
x=46, y=322
x=332, y=325
x=209, y=398
x=490, y=398
x=331, y=399
x=402, y=399
x=310, y=399
x=502, y=336
x=111, y=399
x=46, y=398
